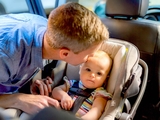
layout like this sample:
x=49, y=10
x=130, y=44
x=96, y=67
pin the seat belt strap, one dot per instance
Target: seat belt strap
x=77, y=104
x=82, y=95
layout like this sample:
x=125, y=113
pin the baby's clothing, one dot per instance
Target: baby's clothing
x=87, y=104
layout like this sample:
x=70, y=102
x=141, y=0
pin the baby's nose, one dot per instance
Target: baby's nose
x=92, y=75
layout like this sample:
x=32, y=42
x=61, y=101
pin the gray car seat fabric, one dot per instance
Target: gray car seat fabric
x=124, y=21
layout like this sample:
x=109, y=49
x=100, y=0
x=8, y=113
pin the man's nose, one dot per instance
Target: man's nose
x=91, y=55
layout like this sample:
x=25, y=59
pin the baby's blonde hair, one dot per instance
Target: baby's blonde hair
x=104, y=57
x=75, y=27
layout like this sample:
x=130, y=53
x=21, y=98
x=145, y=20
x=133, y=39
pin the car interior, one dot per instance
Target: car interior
x=133, y=21
x=153, y=13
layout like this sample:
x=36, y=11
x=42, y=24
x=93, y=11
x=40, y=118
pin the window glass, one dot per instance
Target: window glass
x=154, y=2
x=13, y=6
x=90, y=4
x=48, y=5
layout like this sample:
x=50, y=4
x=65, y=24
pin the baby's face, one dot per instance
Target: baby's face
x=93, y=73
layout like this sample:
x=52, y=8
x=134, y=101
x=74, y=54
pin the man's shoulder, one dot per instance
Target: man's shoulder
x=22, y=17
x=21, y=22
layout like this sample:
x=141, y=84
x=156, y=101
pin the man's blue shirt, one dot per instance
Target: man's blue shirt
x=21, y=38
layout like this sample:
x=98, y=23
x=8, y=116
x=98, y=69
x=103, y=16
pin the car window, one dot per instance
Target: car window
x=154, y=2
x=98, y=7
x=49, y=5
x=90, y=4
x=13, y=6
x=20, y=6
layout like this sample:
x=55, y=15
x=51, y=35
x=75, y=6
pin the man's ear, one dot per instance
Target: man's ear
x=64, y=52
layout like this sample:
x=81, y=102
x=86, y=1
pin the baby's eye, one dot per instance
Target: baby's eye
x=98, y=73
x=87, y=69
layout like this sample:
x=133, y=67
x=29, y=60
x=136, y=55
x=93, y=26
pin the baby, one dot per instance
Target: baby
x=93, y=74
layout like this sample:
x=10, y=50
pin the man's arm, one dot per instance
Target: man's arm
x=27, y=102
x=8, y=100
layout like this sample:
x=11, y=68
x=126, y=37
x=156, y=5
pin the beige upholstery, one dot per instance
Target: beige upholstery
x=10, y=114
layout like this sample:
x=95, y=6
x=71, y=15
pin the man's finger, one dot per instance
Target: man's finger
x=48, y=86
x=46, y=91
x=40, y=87
x=50, y=80
x=53, y=102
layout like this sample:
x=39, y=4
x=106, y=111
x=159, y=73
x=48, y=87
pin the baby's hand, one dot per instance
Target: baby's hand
x=66, y=102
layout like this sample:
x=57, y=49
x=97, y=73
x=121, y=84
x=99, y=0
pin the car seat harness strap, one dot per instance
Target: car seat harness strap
x=82, y=95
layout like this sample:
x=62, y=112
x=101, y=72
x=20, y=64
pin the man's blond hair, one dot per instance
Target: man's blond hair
x=75, y=27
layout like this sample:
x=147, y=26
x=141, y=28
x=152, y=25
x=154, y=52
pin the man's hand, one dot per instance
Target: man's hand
x=42, y=87
x=32, y=104
x=28, y=103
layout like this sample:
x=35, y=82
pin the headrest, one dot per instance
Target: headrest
x=126, y=8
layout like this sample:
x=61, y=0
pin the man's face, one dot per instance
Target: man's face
x=76, y=59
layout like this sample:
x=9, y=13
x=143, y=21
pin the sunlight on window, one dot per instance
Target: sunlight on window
x=90, y=4
x=154, y=2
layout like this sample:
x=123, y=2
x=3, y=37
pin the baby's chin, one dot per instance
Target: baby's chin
x=90, y=87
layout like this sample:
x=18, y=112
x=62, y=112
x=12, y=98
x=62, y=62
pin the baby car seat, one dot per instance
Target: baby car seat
x=128, y=78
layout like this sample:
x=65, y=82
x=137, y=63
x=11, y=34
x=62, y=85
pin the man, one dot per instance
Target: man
x=72, y=33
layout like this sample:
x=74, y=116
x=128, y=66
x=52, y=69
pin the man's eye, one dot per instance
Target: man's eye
x=88, y=69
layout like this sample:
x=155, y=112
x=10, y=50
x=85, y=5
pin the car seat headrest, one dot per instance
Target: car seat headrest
x=126, y=8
